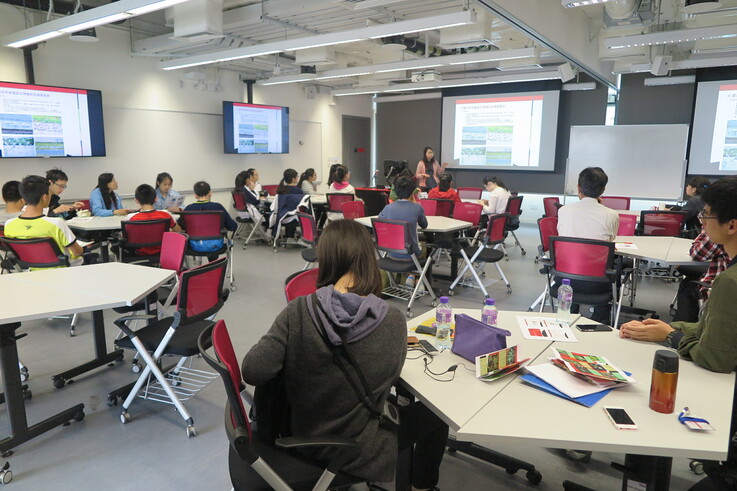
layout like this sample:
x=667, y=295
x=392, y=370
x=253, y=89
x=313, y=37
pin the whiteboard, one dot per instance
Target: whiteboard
x=642, y=161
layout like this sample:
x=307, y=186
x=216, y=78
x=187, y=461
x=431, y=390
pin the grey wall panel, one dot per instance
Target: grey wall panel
x=667, y=104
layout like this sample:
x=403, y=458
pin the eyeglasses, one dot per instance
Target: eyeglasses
x=60, y=186
x=702, y=216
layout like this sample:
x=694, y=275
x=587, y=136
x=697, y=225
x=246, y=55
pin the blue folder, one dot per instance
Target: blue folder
x=587, y=401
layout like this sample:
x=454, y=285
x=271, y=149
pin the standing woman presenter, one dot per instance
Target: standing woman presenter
x=429, y=171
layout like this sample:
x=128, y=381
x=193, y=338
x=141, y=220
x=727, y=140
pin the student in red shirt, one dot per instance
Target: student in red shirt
x=444, y=191
x=146, y=197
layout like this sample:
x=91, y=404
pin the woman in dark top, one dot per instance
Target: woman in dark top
x=693, y=205
x=245, y=184
x=289, y=197
x=321, y=398
x=57, y=184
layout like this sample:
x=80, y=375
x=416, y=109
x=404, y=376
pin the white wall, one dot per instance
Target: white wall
x=154, y=123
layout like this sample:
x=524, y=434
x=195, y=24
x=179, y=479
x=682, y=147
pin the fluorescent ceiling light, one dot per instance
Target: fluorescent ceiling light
x=329, y=39
x=370, y=4
x=679, y=80
x=672, y=37
x=691, y=63
x=579, y=86
x=288, y=79
x=581, y=3
x=111, y=12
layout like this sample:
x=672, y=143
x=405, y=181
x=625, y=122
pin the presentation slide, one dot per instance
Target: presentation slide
x=714, y=135
x=501, y=131
x=251, y=128
x=41, y=121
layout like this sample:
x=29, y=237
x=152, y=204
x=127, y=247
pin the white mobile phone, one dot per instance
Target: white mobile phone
x=619, y=418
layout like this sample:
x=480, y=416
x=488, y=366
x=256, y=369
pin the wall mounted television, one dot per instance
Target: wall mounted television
x=43, y=121
x=255, y=128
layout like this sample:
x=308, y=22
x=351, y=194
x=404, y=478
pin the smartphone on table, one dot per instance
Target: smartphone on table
x=619, y=418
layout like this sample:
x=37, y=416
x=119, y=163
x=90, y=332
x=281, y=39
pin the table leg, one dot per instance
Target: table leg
x=20, y=432
x=650, y=471
x=102, y=357
x=105, y=251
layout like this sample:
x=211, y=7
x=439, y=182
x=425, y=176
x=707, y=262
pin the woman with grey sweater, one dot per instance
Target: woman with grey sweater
x=321, y=398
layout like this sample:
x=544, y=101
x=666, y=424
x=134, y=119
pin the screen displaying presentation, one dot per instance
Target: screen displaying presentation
x=43, y=121
x=501, y=131
x=253, y=128
x=714, y=135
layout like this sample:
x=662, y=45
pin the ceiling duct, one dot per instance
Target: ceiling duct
x=629, y=13
x=323, y=55
x=476, y=34
x=414, y=45
x=197, y=21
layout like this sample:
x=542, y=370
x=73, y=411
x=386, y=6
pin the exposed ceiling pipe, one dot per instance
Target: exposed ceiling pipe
x=621, y=9
x=415, y=46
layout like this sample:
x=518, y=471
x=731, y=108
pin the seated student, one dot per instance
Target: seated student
x=254, y=178
x=499, y=197
x=340, y=184
x=165, y=192
x=104, y=201
x=13, y=202
x=244, y=184
x=404, y=173
x=32, y=223
x=405, y=208
x=145, y=197
x=58, y=180
x=348, y=306
x=443, y=190
x=331, y=174
x=307, y=182
x=289, y=198
x=203, y=194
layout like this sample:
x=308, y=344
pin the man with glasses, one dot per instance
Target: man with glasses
x=57, y=184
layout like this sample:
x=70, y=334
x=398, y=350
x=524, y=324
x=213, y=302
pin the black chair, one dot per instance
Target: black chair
x=373, y=199
x=514, y=209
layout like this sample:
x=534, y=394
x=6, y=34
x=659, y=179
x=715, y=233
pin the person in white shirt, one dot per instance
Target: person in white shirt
x=497, y=202
x=587, y=218
x=307, y=181
x=340, y=184
x=254, y=178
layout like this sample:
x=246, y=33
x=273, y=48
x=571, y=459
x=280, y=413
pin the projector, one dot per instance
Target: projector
x=426, y=76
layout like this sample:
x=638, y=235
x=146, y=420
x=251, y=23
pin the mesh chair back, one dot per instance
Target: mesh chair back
x=665, y=223
x=548, y=227
x=203, y=225
x=353, y=209
x=336, y=200
x=468, y=212
x=495, y=228
x=616, y=202
x=438, y=207
x=239, y=200
x=301, y=284
x=200, y=291
x=374, y=200
x=627, y=225
x=173, y=246
x=309, y=229
x=470, y=193
x=270, y=188
x=36, y=253
x=514, y=205
x=549, y=207
x=3, y=247
x=392, y=235
x=144, y=233
x=582, y=259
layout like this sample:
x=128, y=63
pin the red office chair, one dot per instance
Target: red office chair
x=482, y=254
x=437, y=207
x=394, y=237
x=309, y=235
x=7, y=260
x=270, y=188
x=353, y=209
x=141, y=240
x=616, y=202
x=662, y=222
x=469, y=212
x=257, y=465
x=514, y=210
x=470, y=193
x=336, y=200
x=627, y=225
x=547, y=227
x=209, y=225
x=85, y=204
x=300, y=284
x=550, y=207
x=200, y=298
x=239, y=203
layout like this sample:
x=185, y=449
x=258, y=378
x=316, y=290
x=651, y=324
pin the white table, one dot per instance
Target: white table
x=315, y=199
x=99, y=229
x=434, y=224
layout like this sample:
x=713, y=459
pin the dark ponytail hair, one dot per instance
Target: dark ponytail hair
x=305, y=175
x=108, y=197
x=699, y=183
x=240, y=180
x=340, y=173
x=163, y=177
x=289, y=176
x=445, y=181
x=331, y=173
x=495, y=180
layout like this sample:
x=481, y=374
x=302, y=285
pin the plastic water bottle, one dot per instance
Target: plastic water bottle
x=489, y=312
x=410, y=281
x=443, y=316
x=565, y=298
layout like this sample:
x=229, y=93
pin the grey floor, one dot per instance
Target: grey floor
x=153, y=452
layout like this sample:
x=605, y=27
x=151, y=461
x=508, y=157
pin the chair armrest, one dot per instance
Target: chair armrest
x=247, y=395
x=121, y=322
x=347, y=449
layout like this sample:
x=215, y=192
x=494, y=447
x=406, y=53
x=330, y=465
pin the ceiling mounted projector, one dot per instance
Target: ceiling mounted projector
x=698, y=6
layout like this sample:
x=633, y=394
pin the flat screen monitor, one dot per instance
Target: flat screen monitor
x=45, y=121
x=514, y=131
x=255, y=128
x=714, y=130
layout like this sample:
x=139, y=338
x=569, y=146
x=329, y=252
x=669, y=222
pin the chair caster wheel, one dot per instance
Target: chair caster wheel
x=135, y=367
x=696, y=467
x=523, y=252
x=433, y=304
x=175, y=380
x=59, y=383
x=6, y=476
x=509, y=290
x=410, y=314
x=534, y=477
x=233, y=288
x=451, y=293
x=191, y=431
x=24, y=375
x=27, y=395
x=125, y=417
x=72, y=333
x=79, y=416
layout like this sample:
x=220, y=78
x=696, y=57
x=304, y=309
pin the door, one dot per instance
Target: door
x=356, y=149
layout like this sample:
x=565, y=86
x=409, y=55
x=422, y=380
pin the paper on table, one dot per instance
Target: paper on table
x=625, y=245
x=84, y=243
x=546, y=329
x=565, y=382
x=80, y=219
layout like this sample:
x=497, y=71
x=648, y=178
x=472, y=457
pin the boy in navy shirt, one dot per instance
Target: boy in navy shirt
x=203, y=193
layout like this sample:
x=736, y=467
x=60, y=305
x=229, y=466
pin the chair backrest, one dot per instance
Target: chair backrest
x=548, y=227
x=239, y=200
x=173, y=247
x=495, y=229
x=301, y=284
x=657, y=222
x=144, y=233
x=514, y=205
x=270, y=188
x=353, y=209
x=468, y=212
x=85, y=204
x=392, y=235
x=336, y=200
x=581, y=259
x=203, y=225
x=374, y=200
x=616, y=202
x=549, y=208
x=470, y=193
x=627, y=224
x=308, y=226
x=36, y=253
x=200, y=291
x=438, y=207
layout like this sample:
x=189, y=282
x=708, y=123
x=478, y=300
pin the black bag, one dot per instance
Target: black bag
x=271, y=413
